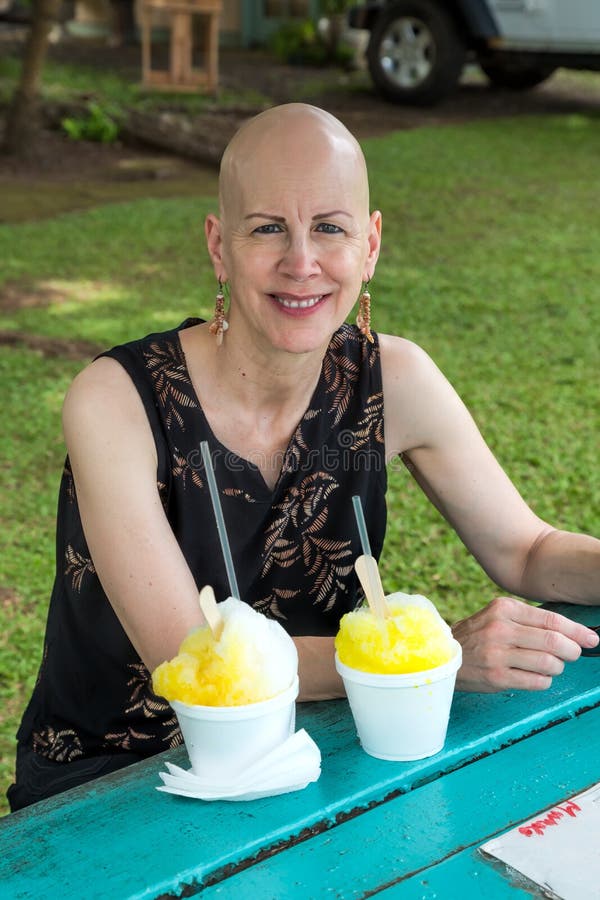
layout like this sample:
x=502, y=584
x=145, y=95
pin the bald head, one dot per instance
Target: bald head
x=291, y=144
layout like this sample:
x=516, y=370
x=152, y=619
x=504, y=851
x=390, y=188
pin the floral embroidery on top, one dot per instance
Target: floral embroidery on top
x=269, y=605
x=371, y=423
x=77, y=566
x=140, y=698
x=171, y=382
x=303, y=514
x=182, y=470
x=59, y=746
x=341, y=374
x=238, y=492
x=125, y=740
x=143, y=701
x=299, y=444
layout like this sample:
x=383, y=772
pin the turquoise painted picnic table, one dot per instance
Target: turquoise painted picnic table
x=367, y=828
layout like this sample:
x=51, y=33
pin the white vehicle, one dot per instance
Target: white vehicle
x=417, y=48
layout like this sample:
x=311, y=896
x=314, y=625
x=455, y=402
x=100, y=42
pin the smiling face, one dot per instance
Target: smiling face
x=294, y=238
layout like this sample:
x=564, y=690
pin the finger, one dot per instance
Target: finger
x=491, y=680
x=577, y=632
x=525, y=614
x=522, y=680
x=549, y=643
x=534, y=661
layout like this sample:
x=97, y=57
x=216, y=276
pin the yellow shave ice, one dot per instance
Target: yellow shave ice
x=414, y=637
x=253, y=660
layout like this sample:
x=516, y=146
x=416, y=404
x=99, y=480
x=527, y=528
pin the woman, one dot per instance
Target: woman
x=291, y=401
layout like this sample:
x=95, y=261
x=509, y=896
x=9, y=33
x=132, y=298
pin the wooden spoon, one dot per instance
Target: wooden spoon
x=208, y=605
x=370, y=579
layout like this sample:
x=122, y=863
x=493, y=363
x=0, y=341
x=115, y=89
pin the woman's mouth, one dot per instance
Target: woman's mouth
x=298, y=304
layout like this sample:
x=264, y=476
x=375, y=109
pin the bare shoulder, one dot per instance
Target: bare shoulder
x=102, y=399
x=103, y=386
x=403, y=363
x=418, y=399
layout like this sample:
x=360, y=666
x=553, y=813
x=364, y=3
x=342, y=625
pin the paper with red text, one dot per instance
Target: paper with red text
x=558, y=849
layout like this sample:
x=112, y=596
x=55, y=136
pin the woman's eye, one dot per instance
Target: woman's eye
x=271, y=228
x=328, y=228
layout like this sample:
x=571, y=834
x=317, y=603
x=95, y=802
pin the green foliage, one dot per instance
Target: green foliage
x=299, y=43
x=293, y=41
x=489, y=261
x=9, y=67
x=9, y=72
x=335, y=7
x=98, y=125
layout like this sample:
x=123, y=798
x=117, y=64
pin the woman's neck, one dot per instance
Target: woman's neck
x=267, y=381
x=253, y=402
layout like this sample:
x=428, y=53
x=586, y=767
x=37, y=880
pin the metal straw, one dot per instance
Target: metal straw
x=364, y=540
x=216, y=503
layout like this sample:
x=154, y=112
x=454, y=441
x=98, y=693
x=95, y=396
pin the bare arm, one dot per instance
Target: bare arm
x=507, y=644
x=319, y=679
x=562, y=566
x=427, y=421
x=135, y=553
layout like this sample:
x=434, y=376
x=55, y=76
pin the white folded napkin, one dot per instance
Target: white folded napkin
x=289, y=767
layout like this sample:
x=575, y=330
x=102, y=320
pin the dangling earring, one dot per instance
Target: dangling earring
x=363, y=319
x=219, y=324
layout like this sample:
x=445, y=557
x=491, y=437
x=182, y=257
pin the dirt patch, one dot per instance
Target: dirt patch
x=9, y=599
x=63, y=160
x=15, y=296
x=51, y=347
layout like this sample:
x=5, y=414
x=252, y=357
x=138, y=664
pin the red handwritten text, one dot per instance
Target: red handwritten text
x=539, y=825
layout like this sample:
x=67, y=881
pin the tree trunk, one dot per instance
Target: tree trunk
x=202, y=138
x=20, y=120
x=337, y=23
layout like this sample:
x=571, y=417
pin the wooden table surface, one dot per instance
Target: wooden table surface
x=367, y=827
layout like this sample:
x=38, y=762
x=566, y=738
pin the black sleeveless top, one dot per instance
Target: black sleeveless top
x=293, y=546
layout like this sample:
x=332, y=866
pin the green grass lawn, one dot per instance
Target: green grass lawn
x=491, y=261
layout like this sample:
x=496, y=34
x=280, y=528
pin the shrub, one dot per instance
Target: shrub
x=97, y=125
x=299, y=43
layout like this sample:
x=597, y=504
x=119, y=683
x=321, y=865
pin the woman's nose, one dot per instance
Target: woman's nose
x=299, y=260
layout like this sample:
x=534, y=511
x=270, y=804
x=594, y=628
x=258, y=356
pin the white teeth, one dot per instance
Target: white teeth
x=298, y=304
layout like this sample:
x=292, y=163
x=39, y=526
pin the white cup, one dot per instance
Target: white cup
x=222, y=741
x=402, y=717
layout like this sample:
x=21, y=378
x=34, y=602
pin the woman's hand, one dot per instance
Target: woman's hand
x=510, y=645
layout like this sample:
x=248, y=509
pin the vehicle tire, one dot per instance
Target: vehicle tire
x=415, y=52
x=515, y=76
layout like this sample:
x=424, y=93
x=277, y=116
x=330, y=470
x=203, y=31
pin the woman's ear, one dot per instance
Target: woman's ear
x=214, y=242
x=373, y=243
